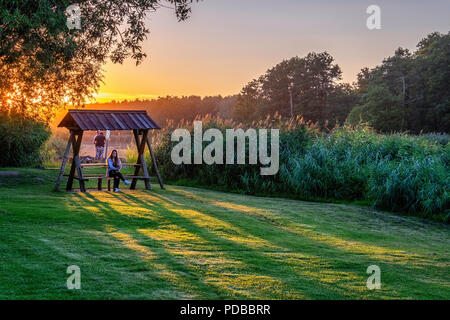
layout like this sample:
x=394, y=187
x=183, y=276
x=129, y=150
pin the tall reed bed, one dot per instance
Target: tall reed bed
x=395, y=172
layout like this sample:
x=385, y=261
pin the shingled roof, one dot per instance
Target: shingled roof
x=108, y=120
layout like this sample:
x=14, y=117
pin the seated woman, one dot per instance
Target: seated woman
x=114, y=166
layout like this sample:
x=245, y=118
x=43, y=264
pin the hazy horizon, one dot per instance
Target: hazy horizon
x=225, y=44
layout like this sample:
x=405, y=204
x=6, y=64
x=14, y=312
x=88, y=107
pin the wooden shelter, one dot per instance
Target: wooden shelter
x=78, y=121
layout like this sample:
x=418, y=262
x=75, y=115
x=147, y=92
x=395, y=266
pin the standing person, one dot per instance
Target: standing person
x=114, y=166
x=99, y=142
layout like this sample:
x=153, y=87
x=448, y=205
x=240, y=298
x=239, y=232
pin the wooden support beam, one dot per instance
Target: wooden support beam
x=143, y=163
x=140, y=144
x=63, y=163
x=155, y=165
x=72, y=167
x=76, y=165
x=136, y=169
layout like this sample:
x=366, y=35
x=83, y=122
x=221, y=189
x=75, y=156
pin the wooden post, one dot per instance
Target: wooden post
x=143, y=162
x=76, y=144
x=107, y=135
x=155, y=165
x=80, y=172
x=140, y=144
x=137, y=168
x=72, y=167
x=78, y=163
x=64, y=161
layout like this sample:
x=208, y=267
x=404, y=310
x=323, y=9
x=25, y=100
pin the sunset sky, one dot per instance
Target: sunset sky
x=227, y=43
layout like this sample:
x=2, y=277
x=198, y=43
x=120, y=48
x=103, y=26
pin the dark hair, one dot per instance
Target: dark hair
x=116, y=160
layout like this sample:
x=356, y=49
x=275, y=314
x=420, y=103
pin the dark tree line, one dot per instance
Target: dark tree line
x=176, y=109
x=407, y=92
x=306, y=86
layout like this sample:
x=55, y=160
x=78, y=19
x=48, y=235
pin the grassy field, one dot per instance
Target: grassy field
x=187, y=243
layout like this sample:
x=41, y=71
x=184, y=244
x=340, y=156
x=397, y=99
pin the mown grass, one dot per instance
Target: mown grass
x=199, y=244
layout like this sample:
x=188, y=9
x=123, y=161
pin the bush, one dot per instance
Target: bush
x=441, y=138
x=294, y=137
x=395, y=172
x=21, y=140
x=53, y=149
x=417, y=186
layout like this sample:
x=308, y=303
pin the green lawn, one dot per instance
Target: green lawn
x=199, y=244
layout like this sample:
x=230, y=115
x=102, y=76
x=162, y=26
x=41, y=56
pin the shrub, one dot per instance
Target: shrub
x=294, y=136
x=21, y=140
x=417, y=186
x=396, y=172
x=441, y=138
x=53, y=149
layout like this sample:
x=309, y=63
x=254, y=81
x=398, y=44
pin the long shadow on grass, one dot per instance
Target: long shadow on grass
x=263, y=262
x=238, y=284
x=174, y=272
x=287, y=225
x=320, y=282
x=358, y=255
x=111, y=223
x=320, y=277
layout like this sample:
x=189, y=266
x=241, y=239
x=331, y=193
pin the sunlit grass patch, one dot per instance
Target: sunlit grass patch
x=131, y=243
x=223, y=229
x=285, y=222
x=252, y=286
x=173, y=235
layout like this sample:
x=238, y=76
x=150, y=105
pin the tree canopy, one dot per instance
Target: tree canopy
x=44, y=64
x=312, y=81
x=408, y=91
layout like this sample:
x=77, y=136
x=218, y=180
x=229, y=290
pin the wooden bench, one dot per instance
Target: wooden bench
x=100, y=164
x=100, y=177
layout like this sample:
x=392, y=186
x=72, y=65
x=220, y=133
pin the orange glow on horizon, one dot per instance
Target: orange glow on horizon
x=220, y=48
x=104, y=97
